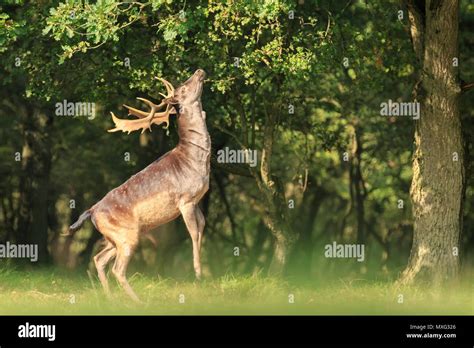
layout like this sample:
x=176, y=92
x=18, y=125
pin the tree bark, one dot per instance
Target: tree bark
x=276, y=212
x=438, y=183
x=34, y=183
x=357, y=185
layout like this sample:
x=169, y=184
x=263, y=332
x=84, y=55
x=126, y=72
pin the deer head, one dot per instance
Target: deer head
x=146, y=119
x=186, y=94
x=190, y=91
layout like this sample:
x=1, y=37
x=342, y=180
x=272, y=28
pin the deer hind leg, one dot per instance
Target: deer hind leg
x=101, y=260
x=124, y=255
x=194, y=224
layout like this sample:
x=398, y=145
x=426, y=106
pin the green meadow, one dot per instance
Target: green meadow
x=49, y=292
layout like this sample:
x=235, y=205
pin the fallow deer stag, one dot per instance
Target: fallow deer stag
x=171, y=186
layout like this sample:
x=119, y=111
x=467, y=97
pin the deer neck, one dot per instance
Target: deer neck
x=194, y=138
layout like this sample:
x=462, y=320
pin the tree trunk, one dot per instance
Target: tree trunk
x=357, y=185
x=283, y=244
x=34, y=183
x=276, y=210
x=438, y=183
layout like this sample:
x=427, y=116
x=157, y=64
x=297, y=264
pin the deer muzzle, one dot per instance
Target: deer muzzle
x=200, y=75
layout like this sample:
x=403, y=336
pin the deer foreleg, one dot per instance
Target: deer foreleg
x=201, y=224
x=194, y=223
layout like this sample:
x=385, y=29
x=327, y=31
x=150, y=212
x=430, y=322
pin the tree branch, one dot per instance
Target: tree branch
x=466, y=87
x=416, y=18
x=236, y=169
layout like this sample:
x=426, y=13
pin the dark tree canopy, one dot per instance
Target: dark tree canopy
x=300, y=82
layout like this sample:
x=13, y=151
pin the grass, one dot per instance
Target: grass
x=47, y=292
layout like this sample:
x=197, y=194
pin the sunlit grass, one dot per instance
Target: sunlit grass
x=56, y=293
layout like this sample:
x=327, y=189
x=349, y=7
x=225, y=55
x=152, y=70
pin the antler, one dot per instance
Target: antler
x=146, y=119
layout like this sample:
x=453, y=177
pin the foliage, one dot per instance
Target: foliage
x=262, y=58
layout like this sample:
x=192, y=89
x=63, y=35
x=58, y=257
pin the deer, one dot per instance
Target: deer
x=169, y=187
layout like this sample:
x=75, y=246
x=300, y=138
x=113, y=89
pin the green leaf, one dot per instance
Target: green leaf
x=47, y=29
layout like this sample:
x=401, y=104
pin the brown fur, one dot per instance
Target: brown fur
x=171, y=186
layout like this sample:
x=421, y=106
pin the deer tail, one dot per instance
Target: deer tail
x=78, y=224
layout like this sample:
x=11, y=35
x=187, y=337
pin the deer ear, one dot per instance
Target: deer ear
x=171, y=100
